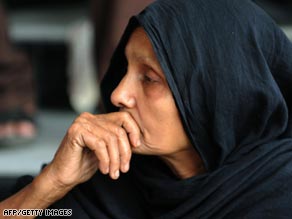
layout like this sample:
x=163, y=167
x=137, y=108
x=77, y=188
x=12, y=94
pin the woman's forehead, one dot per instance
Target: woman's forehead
x=139, y=49
x=138, y=44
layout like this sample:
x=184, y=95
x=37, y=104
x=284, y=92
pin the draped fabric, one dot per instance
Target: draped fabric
x=229, y=68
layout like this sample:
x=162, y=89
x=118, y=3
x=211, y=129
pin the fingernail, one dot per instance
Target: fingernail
x=138, y=143
x=126, y=167
x=117, y=174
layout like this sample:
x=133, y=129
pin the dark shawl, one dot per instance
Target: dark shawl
x=230, y=70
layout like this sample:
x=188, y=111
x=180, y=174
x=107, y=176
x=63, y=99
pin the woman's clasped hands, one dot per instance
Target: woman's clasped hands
x=95, y=142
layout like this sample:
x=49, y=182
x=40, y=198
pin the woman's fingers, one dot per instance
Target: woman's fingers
x=100, y=150
x=125, y=151
x=114, y=155
x=126, y=121
x=108, y=136
x=115, y=141
x=94, y=142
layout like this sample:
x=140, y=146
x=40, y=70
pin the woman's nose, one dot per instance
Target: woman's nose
x=123, y=96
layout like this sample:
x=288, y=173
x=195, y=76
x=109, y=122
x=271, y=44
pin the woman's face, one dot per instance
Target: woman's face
x=145, y=94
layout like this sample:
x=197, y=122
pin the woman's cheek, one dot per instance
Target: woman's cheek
x=154, y=90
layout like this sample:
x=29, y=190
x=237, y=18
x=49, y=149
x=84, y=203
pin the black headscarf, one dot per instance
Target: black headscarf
x=229, y=68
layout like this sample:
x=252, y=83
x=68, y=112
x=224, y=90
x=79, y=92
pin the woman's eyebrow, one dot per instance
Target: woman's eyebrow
x=129, y=53
x=146, y=59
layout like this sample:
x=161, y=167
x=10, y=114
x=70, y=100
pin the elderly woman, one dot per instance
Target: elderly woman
x=199, y=119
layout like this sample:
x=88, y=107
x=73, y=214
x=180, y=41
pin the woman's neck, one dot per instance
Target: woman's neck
x=185, y=163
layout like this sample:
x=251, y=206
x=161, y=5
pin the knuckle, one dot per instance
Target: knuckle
x=85, y=115
x=126, y=115
x=111, y=138
x=105, y=161
x=100, y=143
x=82, y=118
x=126, y=152
x=125, y=158
x=120, y=132
x=74, y=128
x=115, y=162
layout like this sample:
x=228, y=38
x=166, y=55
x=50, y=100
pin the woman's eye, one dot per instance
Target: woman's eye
x=148, y=79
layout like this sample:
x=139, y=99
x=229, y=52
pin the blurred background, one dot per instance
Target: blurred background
x=57, y=52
